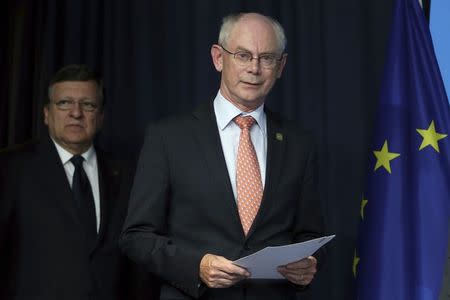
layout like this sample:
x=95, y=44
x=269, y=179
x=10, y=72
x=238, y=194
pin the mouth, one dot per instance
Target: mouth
x=255, y=84
x=75, y=126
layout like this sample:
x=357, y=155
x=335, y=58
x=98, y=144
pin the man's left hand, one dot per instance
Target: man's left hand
x=300, y=272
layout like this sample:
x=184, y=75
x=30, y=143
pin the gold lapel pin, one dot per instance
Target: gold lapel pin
x=279, y=136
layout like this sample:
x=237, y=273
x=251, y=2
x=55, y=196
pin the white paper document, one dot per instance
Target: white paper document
x=263, y=264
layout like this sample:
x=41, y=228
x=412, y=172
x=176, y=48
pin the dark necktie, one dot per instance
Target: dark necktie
x=84, y=199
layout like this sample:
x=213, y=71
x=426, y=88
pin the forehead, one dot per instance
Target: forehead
x=254, y=34
x=75, y=89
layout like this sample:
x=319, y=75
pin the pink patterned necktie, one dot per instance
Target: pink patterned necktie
x=248, y=176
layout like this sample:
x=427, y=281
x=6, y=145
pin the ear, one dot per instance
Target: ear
x=217, y=57
x=46, y=114
x=282, y=63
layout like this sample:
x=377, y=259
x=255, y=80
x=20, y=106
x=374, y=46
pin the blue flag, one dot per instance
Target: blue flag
x=405, y=210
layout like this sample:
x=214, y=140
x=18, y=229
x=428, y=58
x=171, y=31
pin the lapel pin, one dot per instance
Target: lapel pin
x=279, y=136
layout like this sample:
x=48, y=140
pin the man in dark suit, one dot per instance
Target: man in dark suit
x=63, y=203
x=226, y=181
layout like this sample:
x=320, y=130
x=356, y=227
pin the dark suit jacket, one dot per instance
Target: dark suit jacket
x=44, y=253
x=182, y=205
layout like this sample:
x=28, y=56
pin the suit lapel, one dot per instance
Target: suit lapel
x=53, y=179
x=275, y=151
x=208, y=139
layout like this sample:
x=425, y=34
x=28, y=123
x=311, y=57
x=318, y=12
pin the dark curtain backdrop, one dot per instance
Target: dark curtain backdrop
x=154, y=56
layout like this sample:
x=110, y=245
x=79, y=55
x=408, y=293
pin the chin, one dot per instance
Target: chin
x=252, y=101
x=251, y=96
x=76, y=140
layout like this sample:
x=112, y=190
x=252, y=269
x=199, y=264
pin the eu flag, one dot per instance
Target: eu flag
x=405, y=210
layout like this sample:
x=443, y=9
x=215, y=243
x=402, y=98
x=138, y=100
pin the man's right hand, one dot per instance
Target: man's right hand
x=219, y=272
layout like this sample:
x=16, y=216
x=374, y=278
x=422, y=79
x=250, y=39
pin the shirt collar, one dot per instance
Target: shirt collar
x=65, y=155
x=226, y=112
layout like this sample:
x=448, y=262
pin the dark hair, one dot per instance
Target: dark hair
x=77, y=73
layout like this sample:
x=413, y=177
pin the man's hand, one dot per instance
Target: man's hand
x=219, y=272
x=300, y=272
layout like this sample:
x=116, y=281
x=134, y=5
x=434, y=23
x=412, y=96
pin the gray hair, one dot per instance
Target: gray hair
x=229, y=21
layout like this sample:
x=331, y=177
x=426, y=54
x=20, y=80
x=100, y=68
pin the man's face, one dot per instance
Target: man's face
x=73, y=129
x=247, y=86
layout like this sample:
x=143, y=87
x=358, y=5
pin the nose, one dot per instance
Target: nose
x=76, y=111
x=254, y=65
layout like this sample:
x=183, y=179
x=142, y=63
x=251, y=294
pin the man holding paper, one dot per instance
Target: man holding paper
x=227, y=180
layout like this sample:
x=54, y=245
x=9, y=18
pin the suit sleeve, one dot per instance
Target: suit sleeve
x=145, y=236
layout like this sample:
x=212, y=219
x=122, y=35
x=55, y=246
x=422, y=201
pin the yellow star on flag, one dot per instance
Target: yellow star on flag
x=384, y=157
x=430, y=137
x=363, y=205
x=355, y=263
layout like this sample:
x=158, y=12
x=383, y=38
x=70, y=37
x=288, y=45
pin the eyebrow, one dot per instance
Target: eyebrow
x=72, y=98
x=239, y=48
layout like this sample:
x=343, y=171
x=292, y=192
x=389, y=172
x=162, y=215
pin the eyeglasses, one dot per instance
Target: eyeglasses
x=244, y=58
x=86, y=105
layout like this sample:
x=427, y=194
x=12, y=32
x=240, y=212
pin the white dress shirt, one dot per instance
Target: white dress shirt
x=229, y=132
x=91, y=169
